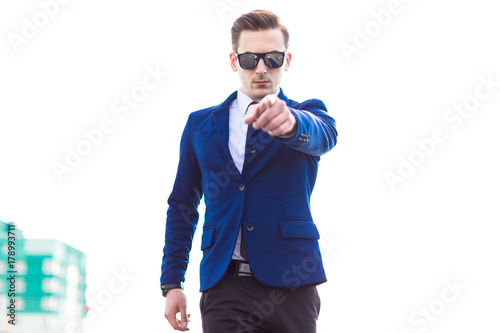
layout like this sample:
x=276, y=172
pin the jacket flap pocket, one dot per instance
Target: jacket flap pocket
x=298, y=228
x=207, y=238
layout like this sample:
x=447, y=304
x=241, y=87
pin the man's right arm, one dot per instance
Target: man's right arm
x=182, y=213
x=182, y=219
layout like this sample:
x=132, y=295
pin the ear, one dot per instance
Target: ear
x=233, y=60
x=288, y=59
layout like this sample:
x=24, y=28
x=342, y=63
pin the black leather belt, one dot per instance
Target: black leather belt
x=239, y=268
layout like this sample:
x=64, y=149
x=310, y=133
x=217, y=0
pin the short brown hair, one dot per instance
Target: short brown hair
x=255, y=21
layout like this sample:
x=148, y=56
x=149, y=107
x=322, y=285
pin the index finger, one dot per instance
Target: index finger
x=253, y=113
x=172, y=320
x=184, y=318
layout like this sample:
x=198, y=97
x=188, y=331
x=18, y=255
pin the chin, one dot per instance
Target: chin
x=262, y=92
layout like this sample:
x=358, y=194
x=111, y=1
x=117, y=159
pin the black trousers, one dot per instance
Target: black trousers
x=242, y=304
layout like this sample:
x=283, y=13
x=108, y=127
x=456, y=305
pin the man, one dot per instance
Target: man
x=261, y=260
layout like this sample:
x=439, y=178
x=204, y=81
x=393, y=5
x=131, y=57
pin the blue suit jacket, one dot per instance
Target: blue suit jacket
x=271, y=195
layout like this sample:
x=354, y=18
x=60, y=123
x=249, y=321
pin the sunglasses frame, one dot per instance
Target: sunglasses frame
x=260, y=56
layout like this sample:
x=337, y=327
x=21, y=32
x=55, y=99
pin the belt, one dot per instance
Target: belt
x=239, y=268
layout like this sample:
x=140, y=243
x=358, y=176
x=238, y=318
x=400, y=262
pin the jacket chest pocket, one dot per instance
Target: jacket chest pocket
x=211, y=157
x=207, y=147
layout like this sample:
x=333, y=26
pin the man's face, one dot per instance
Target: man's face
x=262, y=80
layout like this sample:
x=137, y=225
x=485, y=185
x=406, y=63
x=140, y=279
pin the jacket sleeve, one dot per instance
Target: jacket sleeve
x=316, y=129
x=182, y=213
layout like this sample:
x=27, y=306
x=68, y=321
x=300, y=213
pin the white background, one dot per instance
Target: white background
x=387, y=253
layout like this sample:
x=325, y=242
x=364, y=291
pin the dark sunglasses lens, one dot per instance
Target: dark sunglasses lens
x=248, y=60
x=274, y=59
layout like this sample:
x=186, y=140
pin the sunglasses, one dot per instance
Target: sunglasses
x=271, y=59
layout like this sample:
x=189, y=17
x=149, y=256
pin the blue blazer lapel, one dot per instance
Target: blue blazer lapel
x=220, y=115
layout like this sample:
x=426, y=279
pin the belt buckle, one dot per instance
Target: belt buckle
x=243, y=269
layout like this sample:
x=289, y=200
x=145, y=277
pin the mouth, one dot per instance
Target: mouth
x=261, y=83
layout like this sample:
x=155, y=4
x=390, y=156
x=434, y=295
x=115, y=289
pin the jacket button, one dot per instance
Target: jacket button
x=252, y=150
x=250, y=227
x=241, y=188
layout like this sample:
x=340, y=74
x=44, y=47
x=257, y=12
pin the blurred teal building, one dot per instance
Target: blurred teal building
x=49, y=285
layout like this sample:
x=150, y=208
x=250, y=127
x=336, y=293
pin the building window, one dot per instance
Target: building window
x=20, y=285
x=20, y=303
x=49, y=303
x=50, y=267
x=21, y=267
x=72, y=275
x=50, y=285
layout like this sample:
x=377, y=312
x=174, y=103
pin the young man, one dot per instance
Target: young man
x=254, y=158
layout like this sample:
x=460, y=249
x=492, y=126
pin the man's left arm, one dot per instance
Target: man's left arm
x=309, y=129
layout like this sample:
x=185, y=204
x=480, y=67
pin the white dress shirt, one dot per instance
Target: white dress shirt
x=237, y=142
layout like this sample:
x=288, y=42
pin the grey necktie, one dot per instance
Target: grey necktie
x=249, y=130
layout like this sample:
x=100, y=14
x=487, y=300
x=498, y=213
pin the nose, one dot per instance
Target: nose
x=261, y=67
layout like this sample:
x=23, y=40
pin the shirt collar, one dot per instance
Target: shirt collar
x=243, y=100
